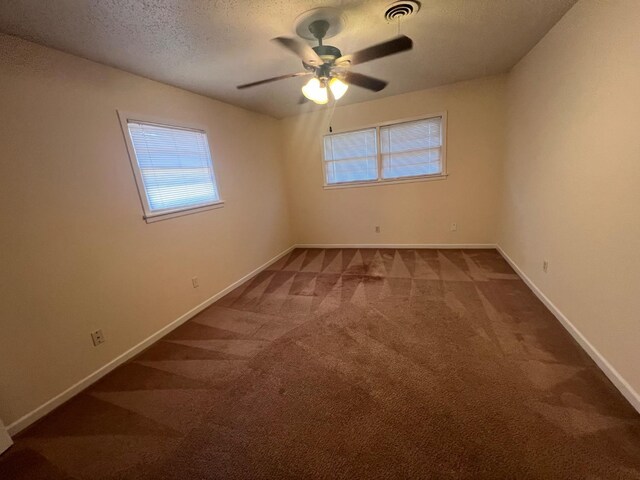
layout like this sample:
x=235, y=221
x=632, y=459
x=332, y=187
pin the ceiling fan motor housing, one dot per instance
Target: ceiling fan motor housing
x=327, y=52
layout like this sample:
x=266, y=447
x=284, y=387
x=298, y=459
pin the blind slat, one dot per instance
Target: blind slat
x=175, y=166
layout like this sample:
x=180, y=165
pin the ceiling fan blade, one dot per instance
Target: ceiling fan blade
x=301, y=49
x=364, y=81
x=396, y=45
x=281, y=77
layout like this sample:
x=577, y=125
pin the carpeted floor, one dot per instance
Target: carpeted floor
x=351, y=364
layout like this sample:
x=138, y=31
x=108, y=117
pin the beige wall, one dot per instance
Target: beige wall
x=76, y=254
x=572, y=174
x=408, y=213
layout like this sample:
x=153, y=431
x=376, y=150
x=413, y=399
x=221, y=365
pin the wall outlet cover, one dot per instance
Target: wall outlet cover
x=98, y=337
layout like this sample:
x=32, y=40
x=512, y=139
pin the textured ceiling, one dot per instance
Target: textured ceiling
x=210, y=46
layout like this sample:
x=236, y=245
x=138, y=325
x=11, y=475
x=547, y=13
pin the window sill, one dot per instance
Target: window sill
x=157, y=217
x=396, y=181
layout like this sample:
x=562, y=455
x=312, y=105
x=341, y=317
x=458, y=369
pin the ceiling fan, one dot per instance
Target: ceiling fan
x=332, y=69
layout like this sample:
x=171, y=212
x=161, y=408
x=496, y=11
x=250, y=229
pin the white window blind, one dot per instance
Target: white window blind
x=174, y=166
x=351, y=157
x=394, y=151
x=411, y=149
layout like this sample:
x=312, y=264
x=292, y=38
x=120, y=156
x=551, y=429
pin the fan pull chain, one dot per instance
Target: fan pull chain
x=333, y=109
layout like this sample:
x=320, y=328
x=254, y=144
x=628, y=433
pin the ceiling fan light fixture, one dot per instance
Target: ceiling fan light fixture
x=315, y=91
x=338, y=87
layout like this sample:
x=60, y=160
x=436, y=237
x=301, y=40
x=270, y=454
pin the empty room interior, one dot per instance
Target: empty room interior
x=320, y=239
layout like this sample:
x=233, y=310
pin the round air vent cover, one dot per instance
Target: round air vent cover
x=401, y=10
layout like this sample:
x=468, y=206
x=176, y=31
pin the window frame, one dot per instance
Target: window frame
x=389, y=181
x=150, y=216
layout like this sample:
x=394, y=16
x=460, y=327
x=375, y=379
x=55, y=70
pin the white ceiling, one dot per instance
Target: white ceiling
x=210, y=46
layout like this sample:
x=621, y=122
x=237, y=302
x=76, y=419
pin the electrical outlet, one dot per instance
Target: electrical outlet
x=97, y=337
x=545, y=266
x=377, y=228
x=454, y=227
x=195, y=282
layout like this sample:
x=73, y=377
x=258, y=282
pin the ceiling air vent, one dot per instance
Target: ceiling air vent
x=401, y=10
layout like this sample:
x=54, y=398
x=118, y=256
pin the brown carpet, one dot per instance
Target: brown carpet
x=350, y=364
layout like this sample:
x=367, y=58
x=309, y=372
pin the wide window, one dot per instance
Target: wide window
x=390, y=152
x=172, y=167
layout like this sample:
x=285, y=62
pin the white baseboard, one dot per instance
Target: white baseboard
x=396, y=245
x=62, y=397
x=5, y=439
x=612, y=374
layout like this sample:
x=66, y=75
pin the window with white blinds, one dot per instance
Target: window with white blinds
x=389, y=152
x=351, y=157
x=173, y=168
x=411, y=149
